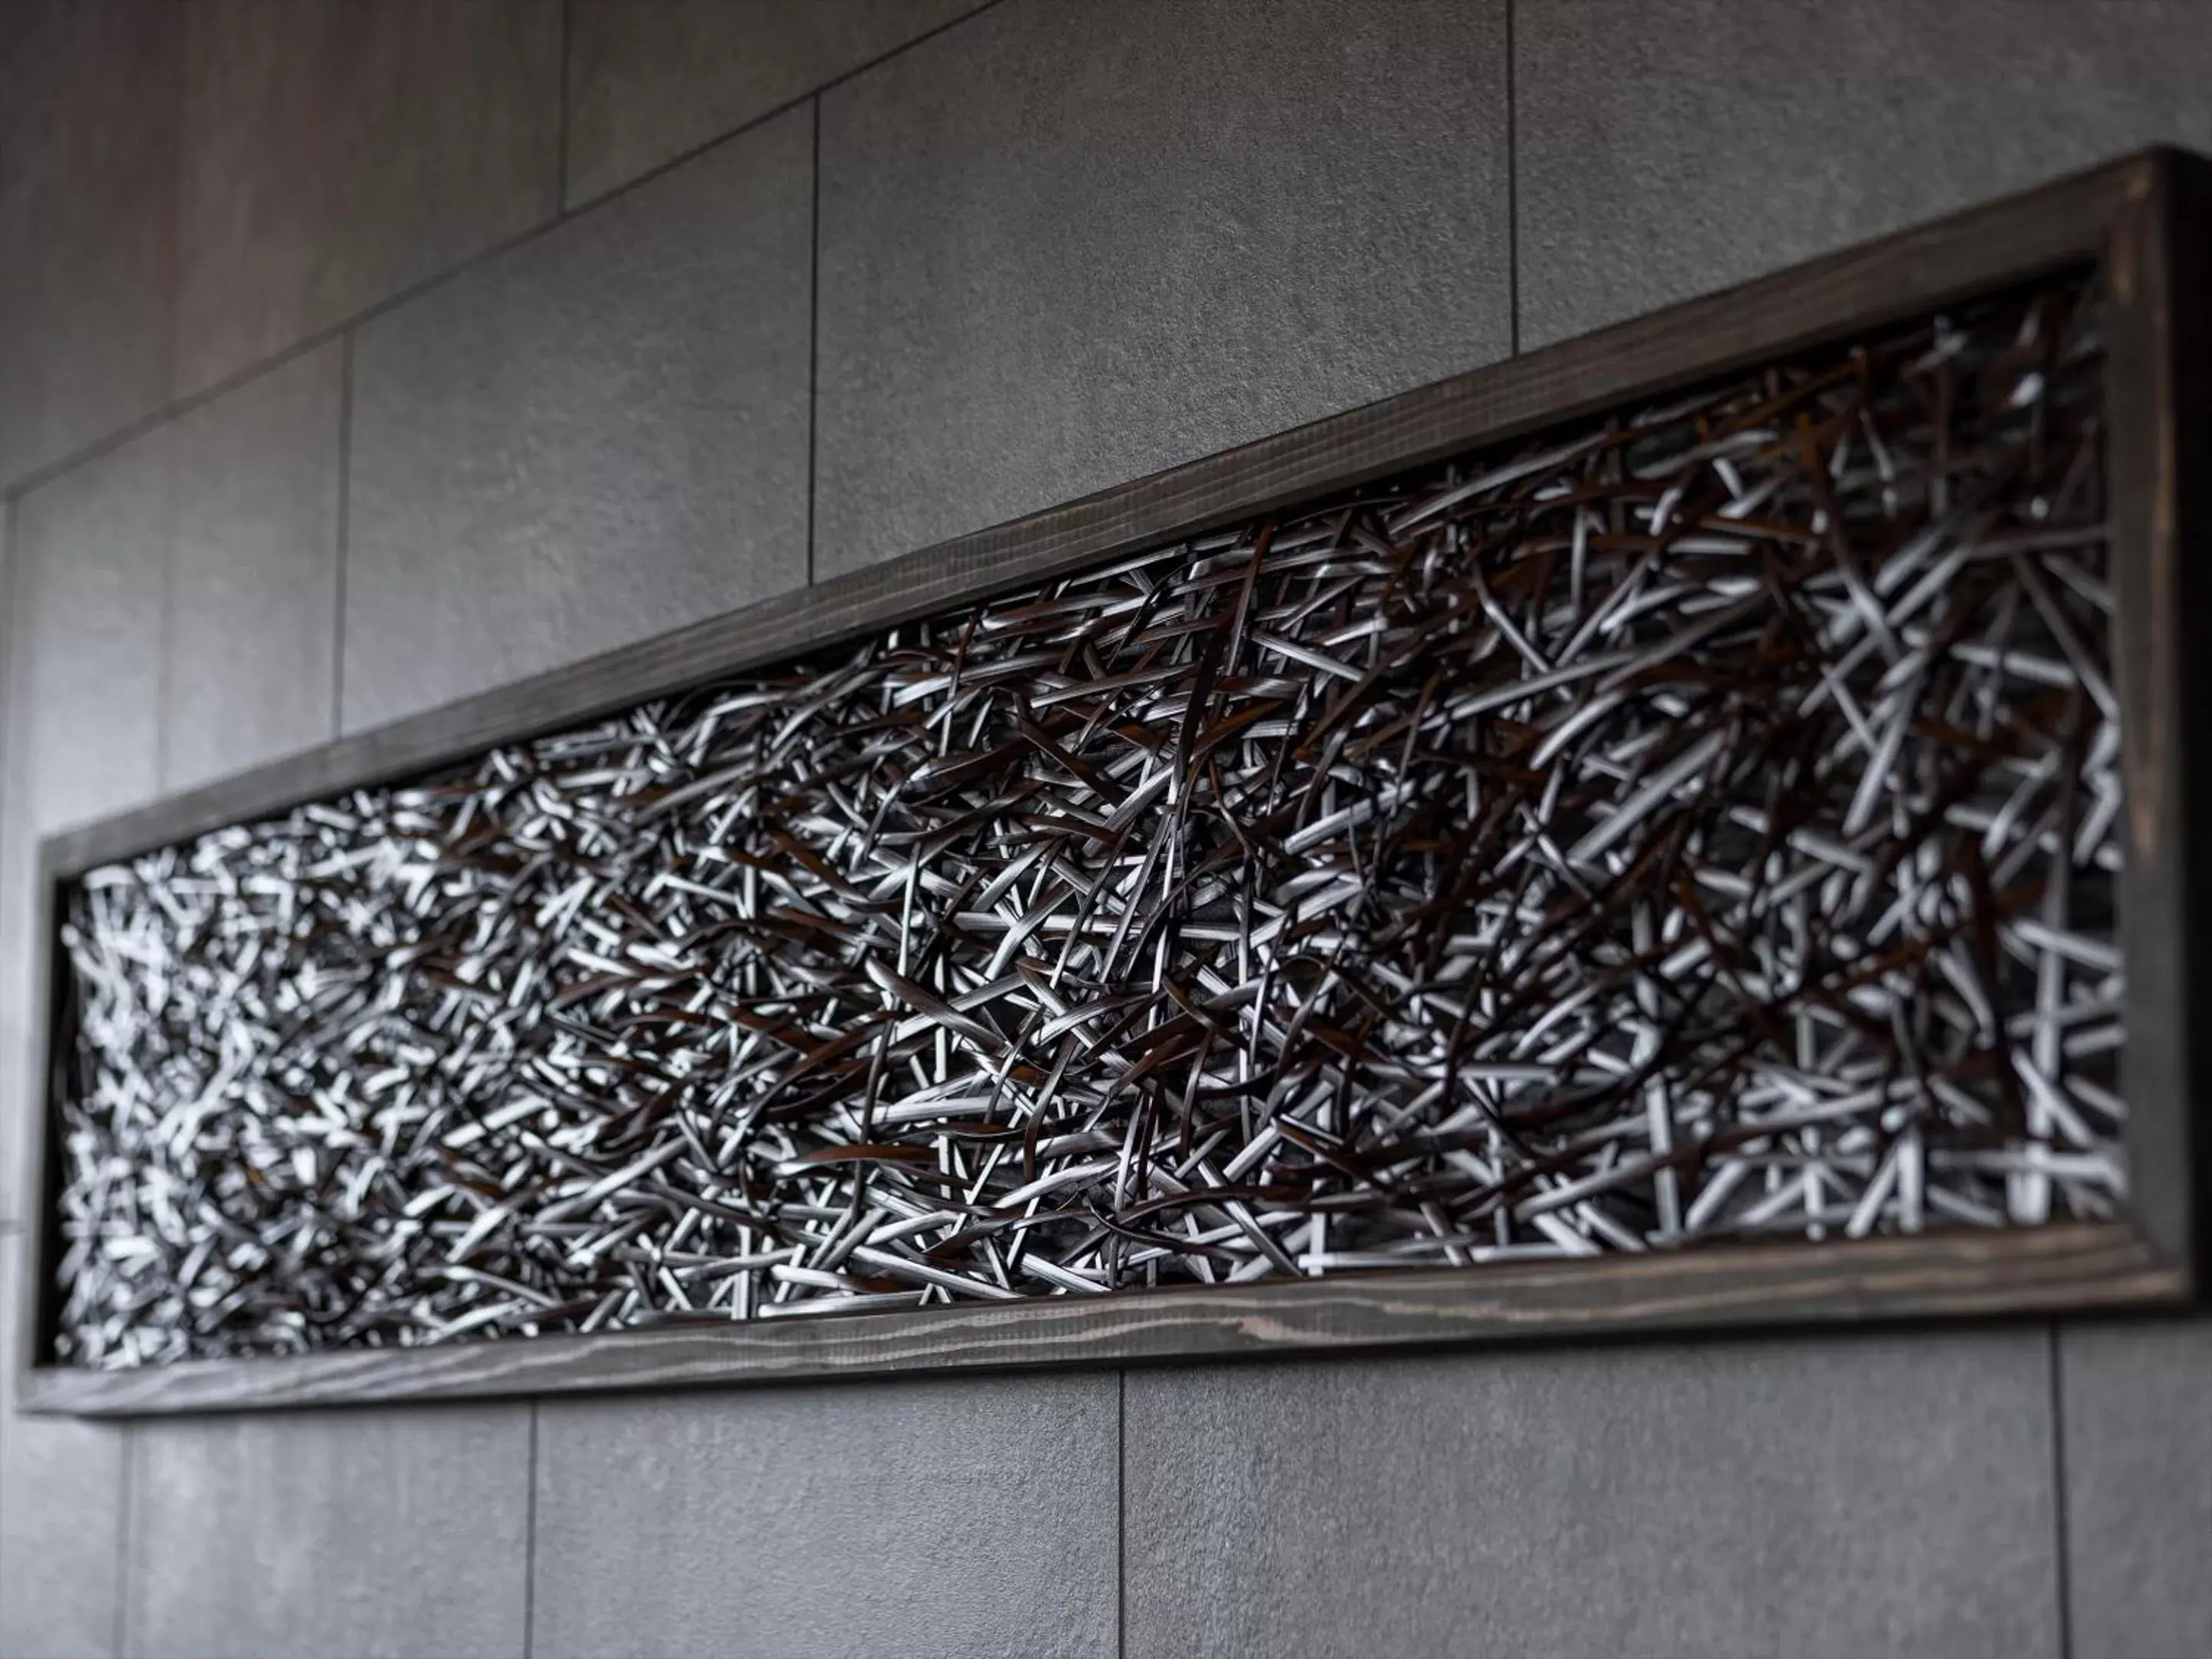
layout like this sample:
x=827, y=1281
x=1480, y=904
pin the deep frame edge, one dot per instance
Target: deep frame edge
x=2159, y=430
x=37, y=1154
x=2181, y=222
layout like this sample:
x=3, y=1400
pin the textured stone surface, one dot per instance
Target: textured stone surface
x=593, y=438
x=254, y=572
x=89, y=594
x=1809, y=1495
x=1702, y=142
x=88, y=557
x=2138, y=1437
x=647, y=83
x=1064, y=244
x=336, y=152
x=969, y=1516
x=84, y=647
x=61, y=1485
x=89, y=100
x=400, y=1532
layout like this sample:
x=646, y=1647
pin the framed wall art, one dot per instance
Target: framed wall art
x=1686, y=828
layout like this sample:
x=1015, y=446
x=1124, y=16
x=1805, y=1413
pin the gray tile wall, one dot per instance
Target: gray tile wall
x=86, y=589
x=61, y=1518
x=594, y=437
x=1802, y=1495
x=648, y=84
x=353, y=358
x=2137, y=1416
x=253, y=571
x=89, y=100
x=925, y=1517
x=336, y=152
x=1066, y=244
x=370, y=1532
x=1648, y=155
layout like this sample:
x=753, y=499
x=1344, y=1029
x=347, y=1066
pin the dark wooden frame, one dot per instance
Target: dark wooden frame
x=2144, y=219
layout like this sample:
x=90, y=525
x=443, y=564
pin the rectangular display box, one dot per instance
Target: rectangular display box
x=1686, y=828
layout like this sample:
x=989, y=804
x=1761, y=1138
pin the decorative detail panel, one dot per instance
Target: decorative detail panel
x=1698, y=825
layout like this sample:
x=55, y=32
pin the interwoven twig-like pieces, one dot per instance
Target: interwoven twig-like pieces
x=1695, y=825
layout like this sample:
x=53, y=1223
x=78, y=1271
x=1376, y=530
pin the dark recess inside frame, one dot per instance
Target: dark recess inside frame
x=1680, y=829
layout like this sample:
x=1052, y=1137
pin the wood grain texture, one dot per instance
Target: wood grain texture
x=2159, y=448
x=2044, y=1270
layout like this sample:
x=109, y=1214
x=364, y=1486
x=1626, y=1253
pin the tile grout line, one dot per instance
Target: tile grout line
x=2063, y=1571
x=107, y=443
x=1122, y=1512
x=813, y=336
x=165, y=645
x=125, y=1589
x=12, y=588
x=344, y=536
x=1513, y=195
x=178, y=83
x=529, y=1544
x=561, y=96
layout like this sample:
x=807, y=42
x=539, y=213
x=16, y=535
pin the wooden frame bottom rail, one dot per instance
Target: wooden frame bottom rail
x=2048, y=1270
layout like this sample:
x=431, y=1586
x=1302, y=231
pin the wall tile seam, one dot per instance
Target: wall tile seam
x=342, y=537
x=814, y=338
x=814, y=91
x=165, y=667
x=179, y=88
x=561, y=120
x=530, y=1545
x=12, y=1179
x=1122, y=1512
x=128, y=1580
x=1512, y=191
x=22, y=1186
x=2061, y=1555
x=39, y=477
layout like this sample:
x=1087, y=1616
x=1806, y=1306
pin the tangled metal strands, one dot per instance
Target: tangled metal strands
x=1696, y=825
